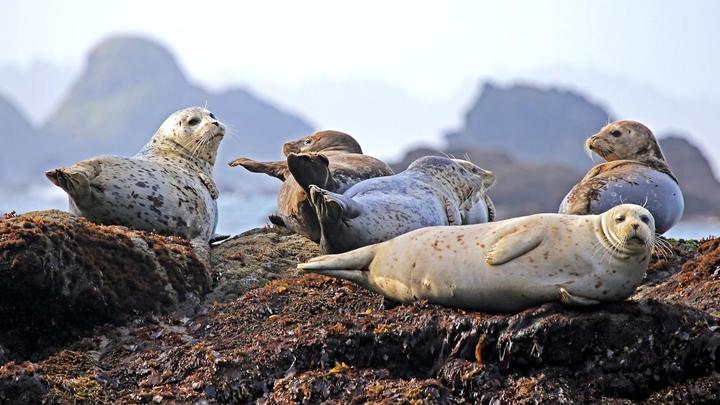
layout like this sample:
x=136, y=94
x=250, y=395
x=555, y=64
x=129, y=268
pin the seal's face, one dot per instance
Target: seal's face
x=485, y=177
x=323, y=141
x=195, y=129
x=624, y=140
x=629, y=228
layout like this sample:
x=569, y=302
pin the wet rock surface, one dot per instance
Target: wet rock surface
x=294, y=338
x=61, y=275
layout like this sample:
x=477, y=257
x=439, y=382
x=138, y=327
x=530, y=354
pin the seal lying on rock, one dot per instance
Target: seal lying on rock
x=332, y=160
x=636, y=172
x=432, y=191
x=166, y=188
x=509, y=265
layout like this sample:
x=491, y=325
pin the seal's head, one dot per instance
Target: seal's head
x=323, y=141
x=629, y=230
x=195, y=130
x=625, y=140
x=477, y=173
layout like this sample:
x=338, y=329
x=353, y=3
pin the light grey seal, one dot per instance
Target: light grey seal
x=636, y=172
x=332, y=160
x=433, y=191
x=509, y=265
x=166, y=188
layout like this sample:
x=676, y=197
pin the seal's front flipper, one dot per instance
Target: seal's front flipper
x=575, y=300
x=275, y=169
x=514, y=245
x=311, y=169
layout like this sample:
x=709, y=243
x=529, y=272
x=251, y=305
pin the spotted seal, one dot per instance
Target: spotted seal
x=332, y=160
x=636, y=172
x=166, y=188
x=509, y=265
x=433, y=191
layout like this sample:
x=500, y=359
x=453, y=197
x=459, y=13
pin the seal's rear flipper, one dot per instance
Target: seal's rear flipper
x=311, y=169
x=74, y=180
x=277, y=221
x=333, y=207
x=352, y=266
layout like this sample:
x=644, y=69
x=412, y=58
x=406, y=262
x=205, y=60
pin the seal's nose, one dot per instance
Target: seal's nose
x=217, y=124
x=636, y=226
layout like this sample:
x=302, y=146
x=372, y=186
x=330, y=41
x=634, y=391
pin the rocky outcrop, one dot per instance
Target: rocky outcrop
x=270, y=334
x=61, y=275
x=522, y=119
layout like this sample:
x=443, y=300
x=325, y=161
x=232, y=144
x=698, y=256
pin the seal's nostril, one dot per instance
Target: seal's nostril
x=636, y=226
x=217, y=124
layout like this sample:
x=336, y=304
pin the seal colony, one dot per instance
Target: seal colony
x=509, y=265
x=425, y=233
x=433, y=191
x=636, y=172
x=166, y=188
x=332, y=160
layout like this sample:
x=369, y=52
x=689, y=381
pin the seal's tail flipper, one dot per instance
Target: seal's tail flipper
x=75, y=180
x=311, y=169
x=352, y=266
x=332, y=207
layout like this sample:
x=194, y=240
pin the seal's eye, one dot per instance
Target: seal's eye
x=212, y=116
x=620, y=219
x=307, y=141
x=194, y=121
x=616, y=133
x=645, y=219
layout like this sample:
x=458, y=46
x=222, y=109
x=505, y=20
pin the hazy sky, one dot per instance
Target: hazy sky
x=425, y=47
x=410, y=67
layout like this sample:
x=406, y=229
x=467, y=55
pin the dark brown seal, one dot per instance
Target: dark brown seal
x=636, y=172
x=332, y=160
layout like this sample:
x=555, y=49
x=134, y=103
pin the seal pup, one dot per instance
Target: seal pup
x=332, y=160
x=636, y=172
x=509, y=265
x=432, y=191
x=166, y=188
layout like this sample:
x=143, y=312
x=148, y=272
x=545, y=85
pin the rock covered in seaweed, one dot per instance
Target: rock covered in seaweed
x=311, y=339
x=61, y=275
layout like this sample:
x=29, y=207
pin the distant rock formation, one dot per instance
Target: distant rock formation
x=130, y=85
x=700, y=186
x=531, y=123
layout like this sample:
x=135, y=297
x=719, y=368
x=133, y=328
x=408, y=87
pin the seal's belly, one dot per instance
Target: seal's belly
x=646, y=187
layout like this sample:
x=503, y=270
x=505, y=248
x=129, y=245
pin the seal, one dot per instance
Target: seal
x=166, y=188
x=636, y=172
x=509, y=265
x=433, y=191
x=332, y=160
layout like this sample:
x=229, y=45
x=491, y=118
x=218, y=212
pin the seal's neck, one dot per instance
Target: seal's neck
x=170, y=148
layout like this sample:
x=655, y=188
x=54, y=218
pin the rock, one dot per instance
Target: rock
x=61, y=275
x=696, y=285
x=311, y=339
x=254, y=258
